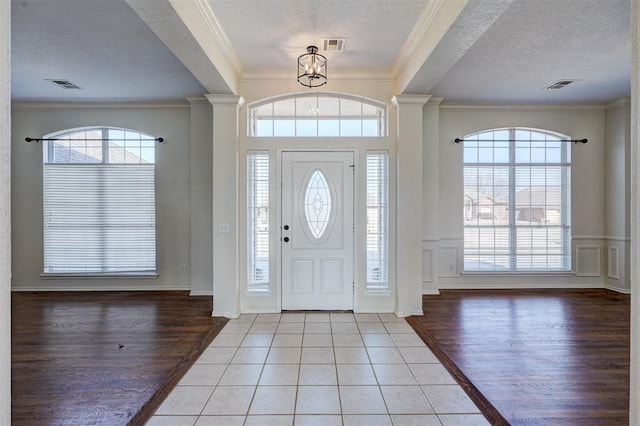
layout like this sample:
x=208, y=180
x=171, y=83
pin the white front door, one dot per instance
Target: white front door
x=317, y=230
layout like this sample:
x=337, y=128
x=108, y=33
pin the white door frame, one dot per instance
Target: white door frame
x=277, y=235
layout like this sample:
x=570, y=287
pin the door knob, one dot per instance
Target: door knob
x=286, y=239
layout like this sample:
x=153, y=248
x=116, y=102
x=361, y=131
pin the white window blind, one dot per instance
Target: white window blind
x=99, y=218
x=517, y=209
x=377, y=220
x=257, y=221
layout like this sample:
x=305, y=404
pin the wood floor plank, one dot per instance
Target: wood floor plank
x=102, y=358
x=543, y=357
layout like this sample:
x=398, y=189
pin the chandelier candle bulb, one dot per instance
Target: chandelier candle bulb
x=312, y=68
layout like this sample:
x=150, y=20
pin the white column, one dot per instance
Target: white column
x=409, y=203
x=201, y=171
x=431, y=196
x=226, y=293
x=5, y=213
x=634, y=396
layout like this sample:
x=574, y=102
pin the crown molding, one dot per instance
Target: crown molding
x=522, y=107
x=236, y=100
x=220, y=37
x=346, y=75
x=411, y=100
x=103, y=106
x=623, y=102
x=415, y=37
x=197, y=99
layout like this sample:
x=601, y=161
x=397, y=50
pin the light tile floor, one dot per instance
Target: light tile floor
x=317, y=369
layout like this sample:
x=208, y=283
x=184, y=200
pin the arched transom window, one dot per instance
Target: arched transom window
x=317, y=115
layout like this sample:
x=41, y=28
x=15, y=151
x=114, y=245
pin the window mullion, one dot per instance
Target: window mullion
x=564, y=200
x=513, y=237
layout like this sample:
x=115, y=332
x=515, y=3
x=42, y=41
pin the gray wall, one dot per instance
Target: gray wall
x=617, y=194
x=600, y=201
x=173, y=190
x=588, y=191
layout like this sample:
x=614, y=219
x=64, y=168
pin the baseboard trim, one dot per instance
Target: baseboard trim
x=430, y=291
x=497, y=286
x=374, y=311
x=618, y=289
x=100, y=288
x=226, y=314
x=201, y=293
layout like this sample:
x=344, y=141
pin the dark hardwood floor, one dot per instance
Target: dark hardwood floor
x=102, y=358
x=544, y=357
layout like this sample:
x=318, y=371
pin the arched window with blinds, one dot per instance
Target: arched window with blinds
x=517, y=201
x=99, y=202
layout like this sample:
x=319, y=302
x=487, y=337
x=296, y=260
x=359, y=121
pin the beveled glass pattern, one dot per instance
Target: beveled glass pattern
x=317, y=204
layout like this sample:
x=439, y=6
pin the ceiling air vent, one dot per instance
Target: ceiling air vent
x=333, y=44
x=560, y=84
x=65, y=84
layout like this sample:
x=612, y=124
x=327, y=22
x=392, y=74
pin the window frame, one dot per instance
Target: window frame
x=513, y=165
x=295, y=116
x=378, y=181
x=106, y=270
x=254, y=286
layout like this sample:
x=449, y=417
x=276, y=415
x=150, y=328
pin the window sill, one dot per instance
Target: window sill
x=99, y=276
x=381, y=292
x=517, y=273
x=257, y=292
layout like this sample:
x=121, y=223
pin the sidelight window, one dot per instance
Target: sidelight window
x=377, y=220
x=258, y=221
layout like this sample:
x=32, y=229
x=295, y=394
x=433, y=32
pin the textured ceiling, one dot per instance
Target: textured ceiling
x=535, y=43
x=100, y=45
x=270, y=35
x=496, y=51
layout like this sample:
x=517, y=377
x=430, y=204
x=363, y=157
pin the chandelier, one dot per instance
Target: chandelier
x=312, y=68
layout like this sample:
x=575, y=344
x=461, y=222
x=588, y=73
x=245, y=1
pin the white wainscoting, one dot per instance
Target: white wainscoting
x=613, y=263
x=587, y=260
x=448, y=264
x=617, y=277
x=587, y=269
x=429, y=256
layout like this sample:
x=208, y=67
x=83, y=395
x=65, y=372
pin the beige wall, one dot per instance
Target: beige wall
x=600, y=225
x=5, y=213
x=173, y=181
x=617, y=195
x=588, y=190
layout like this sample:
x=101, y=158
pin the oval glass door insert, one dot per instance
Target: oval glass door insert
x=317, y=204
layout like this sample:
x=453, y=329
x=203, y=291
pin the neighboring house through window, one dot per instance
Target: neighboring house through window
x=99, y=202
x=517, y=201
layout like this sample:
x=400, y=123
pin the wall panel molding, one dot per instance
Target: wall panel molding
x=448, y=262
x=427, y=265
x=588, y=261
x=613, y=263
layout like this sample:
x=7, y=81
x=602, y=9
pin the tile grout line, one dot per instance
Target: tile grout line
x=332, y=334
